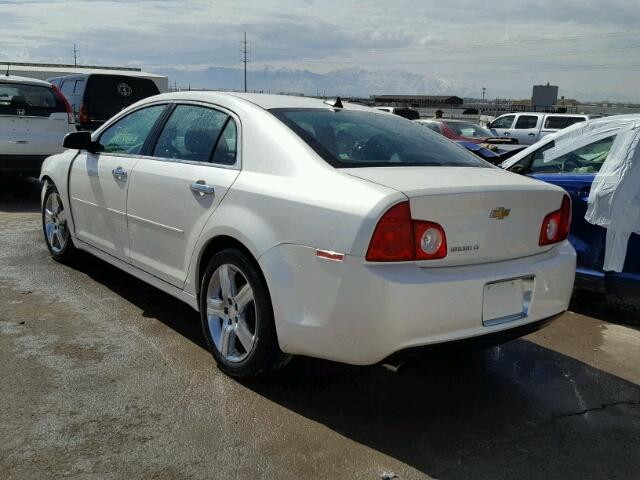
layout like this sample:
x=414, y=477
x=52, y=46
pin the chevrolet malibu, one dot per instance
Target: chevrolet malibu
x=301, y=227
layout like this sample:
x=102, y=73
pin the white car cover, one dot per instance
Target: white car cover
x=614, y=200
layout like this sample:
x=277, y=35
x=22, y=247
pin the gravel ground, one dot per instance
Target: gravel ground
x=104, y=377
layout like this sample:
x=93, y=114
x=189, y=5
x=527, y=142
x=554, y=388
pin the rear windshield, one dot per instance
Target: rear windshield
x=347, y=139
x=28, y=100
x=118, y=88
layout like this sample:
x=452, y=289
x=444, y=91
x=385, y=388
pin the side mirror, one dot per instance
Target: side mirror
x=80, y=141
x=519, y=169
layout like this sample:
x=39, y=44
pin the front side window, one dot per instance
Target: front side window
x=587, y=159
x=191, y=133
x=503, y=122
x=526, y=122
x=127, y=135
x=347, y=139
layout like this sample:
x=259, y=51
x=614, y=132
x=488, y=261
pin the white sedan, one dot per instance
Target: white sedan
x=297, y=226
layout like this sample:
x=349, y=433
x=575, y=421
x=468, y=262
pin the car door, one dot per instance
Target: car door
x=526, y=129
x=502, y=125
x=175, y=189
x=98, y=182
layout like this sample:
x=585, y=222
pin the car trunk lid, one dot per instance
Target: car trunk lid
x=487, y=214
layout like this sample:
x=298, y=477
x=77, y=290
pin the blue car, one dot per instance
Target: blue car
x=575, y=172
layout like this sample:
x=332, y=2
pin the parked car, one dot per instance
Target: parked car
x=404, y=112
x=97, y=97
x=575, y=172
x=475, y=138
x=34, y=118
x=530, y=127
x=297, y=226
x=463, y=130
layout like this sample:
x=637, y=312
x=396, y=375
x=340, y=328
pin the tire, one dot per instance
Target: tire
x=237, y=316
x=55, y=227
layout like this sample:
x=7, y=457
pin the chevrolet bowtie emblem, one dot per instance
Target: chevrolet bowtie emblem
x=500, y=213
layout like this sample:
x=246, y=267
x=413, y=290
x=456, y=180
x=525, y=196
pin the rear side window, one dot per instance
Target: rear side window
x=503, y=122
x=28, y=100
x=347, y=139
x=128, y=135
x=558, y=123
x=526, y=121
x=191, y=134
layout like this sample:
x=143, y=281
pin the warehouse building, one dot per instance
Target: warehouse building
x=43, y=71
x=418, y=101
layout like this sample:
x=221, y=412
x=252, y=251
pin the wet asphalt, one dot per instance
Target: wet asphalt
x=105, y=377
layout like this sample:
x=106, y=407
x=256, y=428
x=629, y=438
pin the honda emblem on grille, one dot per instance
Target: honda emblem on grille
x=21, y=112
x=500, y=213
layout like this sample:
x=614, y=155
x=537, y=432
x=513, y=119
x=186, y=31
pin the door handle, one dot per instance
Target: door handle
x=507, y=133
x=202, y=188
x=119, y=173
x=531, y=134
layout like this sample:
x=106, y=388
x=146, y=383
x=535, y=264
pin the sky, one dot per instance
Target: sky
x=590, y=48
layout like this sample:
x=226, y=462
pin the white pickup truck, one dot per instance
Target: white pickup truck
x=528, y=127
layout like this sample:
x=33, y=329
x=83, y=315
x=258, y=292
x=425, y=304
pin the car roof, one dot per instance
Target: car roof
x=264, y=100
x=24, y=80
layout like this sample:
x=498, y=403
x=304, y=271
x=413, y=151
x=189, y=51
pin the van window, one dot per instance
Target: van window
x=526, y=122
x=79, y=87
x=68, y=87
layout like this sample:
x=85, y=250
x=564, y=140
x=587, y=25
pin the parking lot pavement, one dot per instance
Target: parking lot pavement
x=105, y=377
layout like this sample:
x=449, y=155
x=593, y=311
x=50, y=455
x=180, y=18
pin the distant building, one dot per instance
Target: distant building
x=43, y=71
x=418, y=101
x=544, y=96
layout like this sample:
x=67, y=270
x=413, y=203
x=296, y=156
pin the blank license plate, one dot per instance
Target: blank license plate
x=503, y=302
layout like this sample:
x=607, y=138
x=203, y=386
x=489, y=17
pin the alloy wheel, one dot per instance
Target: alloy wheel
x=231, y=313
x=55, y=222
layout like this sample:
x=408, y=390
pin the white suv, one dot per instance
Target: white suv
x=34, y=118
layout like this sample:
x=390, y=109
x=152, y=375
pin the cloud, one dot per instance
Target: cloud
x=505, y=46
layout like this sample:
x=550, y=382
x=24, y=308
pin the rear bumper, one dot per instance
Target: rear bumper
x=473, y=343
x=28, y=165
x=361, y=313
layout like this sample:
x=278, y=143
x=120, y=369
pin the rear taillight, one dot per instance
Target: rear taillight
x=398, y=238
x=65, y=102
x=83, y=118
x=555, y=226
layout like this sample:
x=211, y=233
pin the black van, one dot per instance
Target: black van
x=96, y=97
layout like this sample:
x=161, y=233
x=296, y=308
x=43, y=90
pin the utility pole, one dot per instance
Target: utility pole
x=75, y=55
x=244, y=60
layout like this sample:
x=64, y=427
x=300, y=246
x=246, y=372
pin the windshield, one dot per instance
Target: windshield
x=466, y=129
x=347, y=139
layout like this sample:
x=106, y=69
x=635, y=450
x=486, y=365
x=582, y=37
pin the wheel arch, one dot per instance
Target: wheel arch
x=217, y=244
